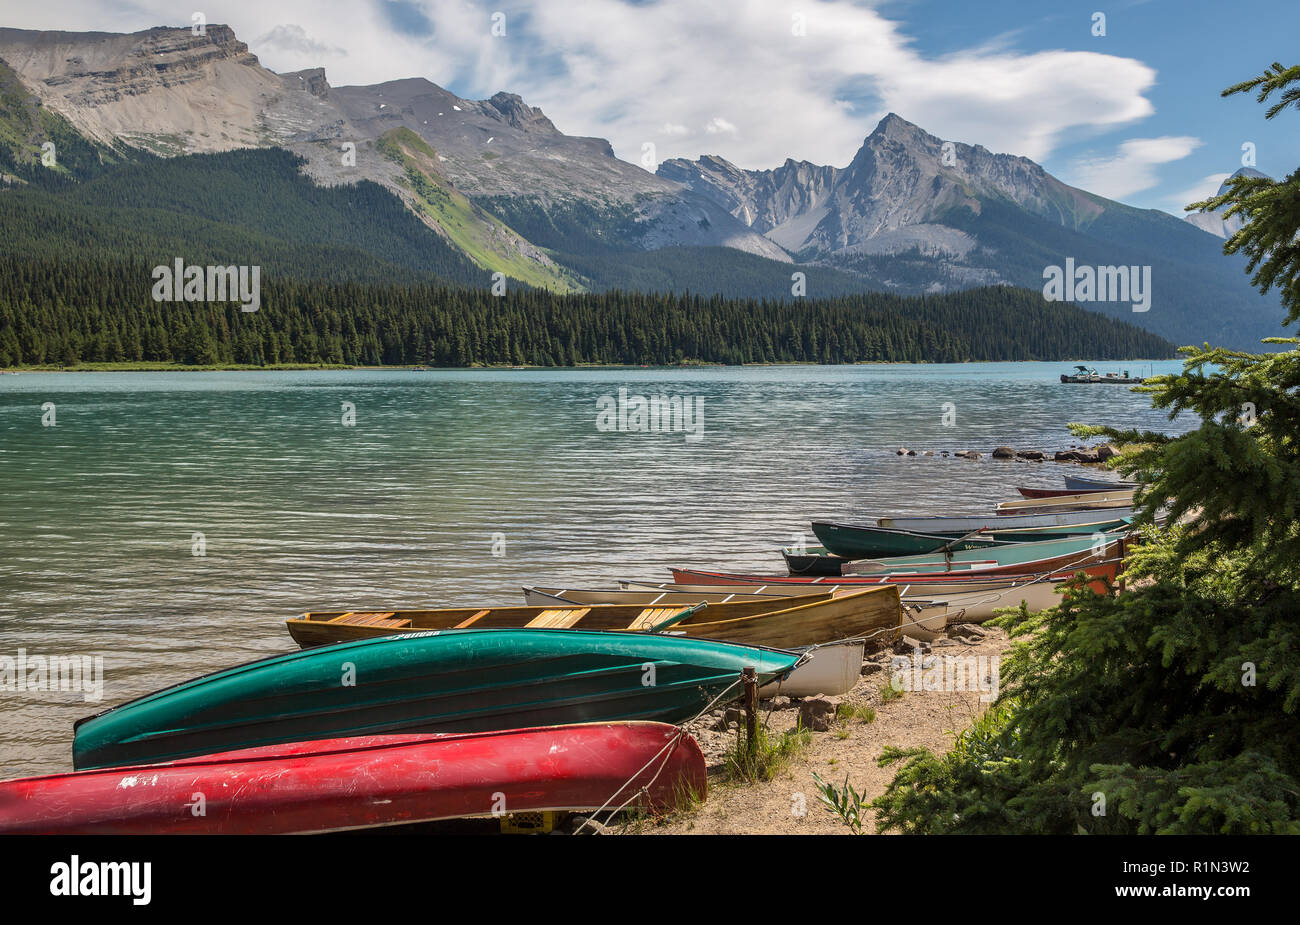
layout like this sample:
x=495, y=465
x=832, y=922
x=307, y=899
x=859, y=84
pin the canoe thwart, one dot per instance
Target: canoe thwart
x=372, y=618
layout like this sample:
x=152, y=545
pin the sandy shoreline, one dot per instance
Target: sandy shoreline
x=927, y=719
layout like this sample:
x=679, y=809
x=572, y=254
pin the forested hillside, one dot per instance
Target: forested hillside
x=65, y=310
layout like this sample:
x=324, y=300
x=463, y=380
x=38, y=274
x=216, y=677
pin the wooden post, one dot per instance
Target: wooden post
x=750, y=677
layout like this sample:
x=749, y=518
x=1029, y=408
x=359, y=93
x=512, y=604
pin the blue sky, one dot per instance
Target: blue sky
x=1196, y=47
x=1134, y=114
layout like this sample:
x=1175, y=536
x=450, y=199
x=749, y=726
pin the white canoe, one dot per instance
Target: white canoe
x=926, y=617
x=979, y=606
x=772, y=590
x=832, y=669
x=925, y=620
x=971, y=522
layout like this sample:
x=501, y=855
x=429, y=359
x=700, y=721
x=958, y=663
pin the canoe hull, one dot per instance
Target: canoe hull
x=1078, y=501
x=1080, y=483
x=813, y=560
x=852, y=541
x=585, y=597
x=919, y=585
x=831, y=670
x=867, y=613
x=763, y=621
x=971, y=522
x=363, y=782
x=1058, y=492
x=843, y=543
x=978, y=606
x=1017, y=559
x=449, y=681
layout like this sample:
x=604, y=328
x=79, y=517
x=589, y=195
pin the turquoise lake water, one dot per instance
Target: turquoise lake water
x=441, y=469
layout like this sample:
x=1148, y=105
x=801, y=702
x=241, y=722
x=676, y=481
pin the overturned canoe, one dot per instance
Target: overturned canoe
x=364, y=782
x=760, y=620
x=442, y=681
x=831, y=669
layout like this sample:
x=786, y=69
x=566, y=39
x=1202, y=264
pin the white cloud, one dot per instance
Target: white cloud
x=1201, y=190
x=291, y=38
x=1131, y=168
x=641, y=72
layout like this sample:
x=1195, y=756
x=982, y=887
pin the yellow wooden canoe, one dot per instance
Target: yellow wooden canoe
x=777, y=622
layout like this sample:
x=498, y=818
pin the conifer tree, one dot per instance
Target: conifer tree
x=1172, y=707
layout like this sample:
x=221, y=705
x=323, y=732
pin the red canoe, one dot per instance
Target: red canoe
x=367, y=781
x=1107, y=570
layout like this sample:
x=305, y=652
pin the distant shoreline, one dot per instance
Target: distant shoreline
x=145, y=367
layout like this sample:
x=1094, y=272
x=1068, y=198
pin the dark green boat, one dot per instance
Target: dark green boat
x=845, y=542
x=442, y=681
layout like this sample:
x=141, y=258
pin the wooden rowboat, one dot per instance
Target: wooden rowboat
x=363, y=782
x=445, y=681
x=764, y=621
x=1080, y=501
x=321, y=628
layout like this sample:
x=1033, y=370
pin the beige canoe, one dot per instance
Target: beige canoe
x=1085, y=501
x=773, y=621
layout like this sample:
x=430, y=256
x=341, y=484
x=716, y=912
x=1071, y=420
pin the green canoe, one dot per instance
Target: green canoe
x=442, y=681
x=860, y=541
x=1010, y=559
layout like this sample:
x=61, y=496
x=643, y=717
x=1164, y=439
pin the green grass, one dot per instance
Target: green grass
x=773, y=755
x=483, y=238
x=847, y=712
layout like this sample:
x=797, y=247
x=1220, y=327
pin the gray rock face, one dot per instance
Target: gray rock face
x=890, y=198
x=1213, y=220
x=172, y=92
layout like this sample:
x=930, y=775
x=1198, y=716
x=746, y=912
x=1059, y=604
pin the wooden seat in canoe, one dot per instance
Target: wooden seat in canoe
x=560, y=618
x=471, y=620
x=372, y=618
x=653, y=616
